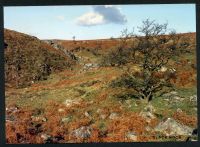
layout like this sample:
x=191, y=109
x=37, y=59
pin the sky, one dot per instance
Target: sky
x=95, y=21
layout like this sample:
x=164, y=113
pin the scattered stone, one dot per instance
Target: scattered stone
x=174, y=93
x=45, y=137
x=12, y=109
x=150, y=108
x=170, y=94
x=99, y=110
x=90, y=66
x=114, y=115
x=166, y=100
x=61, y=110
x=131, y=136
x=172, y=97
x=103, y=116
x=179, y=110
x=128, y=102
x=70, y=102
x=178, y=98
x=195, y=109
x=87, y=114
x=172, y=70
x=172, y=128
x=91, y=102
x=193, y=98
x=148, y=116
x=194, y=140
x=66, y=119
x=163, y=69
x=147, y=128
x=148, y=113
x=83, y=132
x=38, y=118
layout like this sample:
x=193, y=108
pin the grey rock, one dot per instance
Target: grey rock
x=114, y=115
x=61, y=110
x=193, y=98
x=147, y=128
x=178, y=98
x=70, y=102
x=149, y=108
x=148, y=113
x=59, y=47
x=87, y=114
x=179, y=110
x=131, y=136
x=103, y=116
x=99, y=111
x=90, y=66
x=170, y=94
x=66, y=119
x=128, y=102
x=38, y=118
x=83, y=132
x=45, y=137
x=172, y=128
x=12, y=109
x=148, y=116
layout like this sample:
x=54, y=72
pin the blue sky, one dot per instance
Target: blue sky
x=95, y=22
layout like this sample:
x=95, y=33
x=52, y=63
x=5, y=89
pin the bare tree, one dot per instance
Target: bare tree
x=151, y=52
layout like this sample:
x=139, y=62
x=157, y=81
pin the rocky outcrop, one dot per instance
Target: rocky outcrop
x=28, y=59
x=59, y=47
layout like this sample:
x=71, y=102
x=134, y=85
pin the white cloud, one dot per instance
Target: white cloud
x=60, y=17
x=111, y=13
x=102, y=15
x=90, y=19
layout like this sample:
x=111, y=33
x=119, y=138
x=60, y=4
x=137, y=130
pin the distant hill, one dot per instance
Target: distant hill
x=104, y=44
x=28, y=59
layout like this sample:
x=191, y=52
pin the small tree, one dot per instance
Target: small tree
x=74, y=39
x=151, y=51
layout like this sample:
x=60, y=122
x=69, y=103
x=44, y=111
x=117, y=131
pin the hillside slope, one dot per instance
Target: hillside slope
x=82, y=105
x=28, y=59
